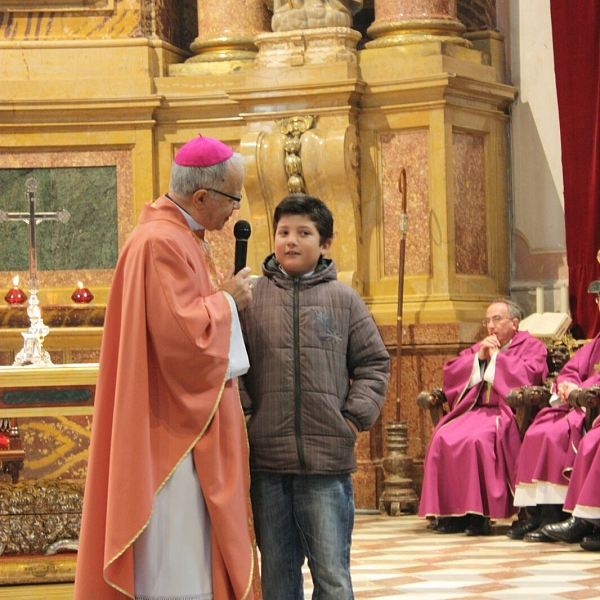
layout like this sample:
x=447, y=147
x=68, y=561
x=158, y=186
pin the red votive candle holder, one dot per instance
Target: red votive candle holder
x=15, y=295
x=82, y=295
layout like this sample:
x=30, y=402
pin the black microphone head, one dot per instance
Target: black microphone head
x=242, y=230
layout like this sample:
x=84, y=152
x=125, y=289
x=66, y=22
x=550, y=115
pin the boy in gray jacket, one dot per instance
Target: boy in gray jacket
x=318, y=375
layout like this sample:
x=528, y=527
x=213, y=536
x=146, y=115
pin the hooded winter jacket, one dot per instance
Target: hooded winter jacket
x=317, y=361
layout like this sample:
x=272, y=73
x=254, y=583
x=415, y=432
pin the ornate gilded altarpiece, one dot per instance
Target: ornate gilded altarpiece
x=40, y=516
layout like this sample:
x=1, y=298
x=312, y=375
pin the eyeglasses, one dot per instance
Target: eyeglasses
x=235, y=199
x=495, y=319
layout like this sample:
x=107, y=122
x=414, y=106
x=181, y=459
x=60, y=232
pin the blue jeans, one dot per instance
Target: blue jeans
x=298, y=516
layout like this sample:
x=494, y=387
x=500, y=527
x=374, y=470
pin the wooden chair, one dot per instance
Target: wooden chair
x=12, y=454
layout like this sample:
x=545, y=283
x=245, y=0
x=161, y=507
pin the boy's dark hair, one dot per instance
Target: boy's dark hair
x=303, y=204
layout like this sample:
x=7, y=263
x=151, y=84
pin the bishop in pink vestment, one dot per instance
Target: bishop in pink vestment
x=166, y=405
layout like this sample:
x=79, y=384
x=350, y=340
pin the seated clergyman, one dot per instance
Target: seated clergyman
x=470, y=463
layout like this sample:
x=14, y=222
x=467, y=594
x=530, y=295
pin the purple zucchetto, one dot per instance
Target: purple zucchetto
x=203, y=152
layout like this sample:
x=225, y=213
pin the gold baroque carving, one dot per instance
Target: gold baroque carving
x=56, y=5
x=293, y=128
x=40, y=517
x=19, y=570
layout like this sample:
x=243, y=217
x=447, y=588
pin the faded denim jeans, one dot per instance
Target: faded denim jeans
x=298, y=516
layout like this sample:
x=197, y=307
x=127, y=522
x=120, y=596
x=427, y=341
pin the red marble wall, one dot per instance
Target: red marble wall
x=469, y=204
x=408, y=150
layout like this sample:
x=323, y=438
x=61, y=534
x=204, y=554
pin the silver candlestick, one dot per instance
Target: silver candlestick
x=33, y=351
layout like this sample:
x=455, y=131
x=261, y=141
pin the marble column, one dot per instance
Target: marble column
x=399, y=22
x=226, y=30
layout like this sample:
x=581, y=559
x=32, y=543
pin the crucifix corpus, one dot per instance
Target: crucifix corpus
x=33, y=352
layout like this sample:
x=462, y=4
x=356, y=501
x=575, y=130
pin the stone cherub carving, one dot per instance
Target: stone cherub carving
x=312, y=14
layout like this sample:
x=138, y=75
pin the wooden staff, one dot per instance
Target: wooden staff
x=403, y=230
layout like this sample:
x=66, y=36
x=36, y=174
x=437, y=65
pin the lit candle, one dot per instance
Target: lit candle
x=15, y=295
x=82, y=295
x=539, y=299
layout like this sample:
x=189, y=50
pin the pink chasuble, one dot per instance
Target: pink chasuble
x=163, y=395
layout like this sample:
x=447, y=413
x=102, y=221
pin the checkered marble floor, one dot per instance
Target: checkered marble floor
x=398, y=557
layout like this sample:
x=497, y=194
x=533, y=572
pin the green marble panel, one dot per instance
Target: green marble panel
x=88, y=241
x=46, y=397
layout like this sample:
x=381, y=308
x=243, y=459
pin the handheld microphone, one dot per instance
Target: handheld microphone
x=241, y=231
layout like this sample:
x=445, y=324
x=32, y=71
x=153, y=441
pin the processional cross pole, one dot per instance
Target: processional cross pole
x=33, y=352
x=403, y=227
x=398, y=497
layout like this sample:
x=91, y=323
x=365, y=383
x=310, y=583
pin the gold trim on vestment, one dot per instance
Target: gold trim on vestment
x=190, y=448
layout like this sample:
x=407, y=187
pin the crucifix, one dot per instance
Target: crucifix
x=33, y=352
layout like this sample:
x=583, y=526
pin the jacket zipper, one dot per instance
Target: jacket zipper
x=297, y=389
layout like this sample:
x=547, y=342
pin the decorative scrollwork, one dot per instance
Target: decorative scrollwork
x=40, y=517
x=294, y=128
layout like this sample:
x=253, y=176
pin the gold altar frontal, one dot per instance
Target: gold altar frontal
x=51, y=484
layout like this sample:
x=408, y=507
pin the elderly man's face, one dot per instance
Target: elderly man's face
x=499, y=324
x=215, y=208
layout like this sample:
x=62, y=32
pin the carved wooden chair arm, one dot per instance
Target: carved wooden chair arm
x=514, y=398
x=429, y=398
x=529, y=395
x=537, y=395
x=526, y=400
x=433, y=400
x=588, y=398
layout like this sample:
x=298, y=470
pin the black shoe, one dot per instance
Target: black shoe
x=571, y=531
x=518, y=533
x=437, y=523
x=537, y=536
x=478, y=525
x=591, y=542
x=452, y=524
